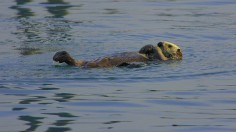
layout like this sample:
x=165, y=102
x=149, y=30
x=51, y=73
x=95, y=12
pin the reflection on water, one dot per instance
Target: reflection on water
x=64, y=97
x=34, y=32
x=57, y=7
x=195, y=94
x=23, y=11
x=33, y=122
x=42, y=103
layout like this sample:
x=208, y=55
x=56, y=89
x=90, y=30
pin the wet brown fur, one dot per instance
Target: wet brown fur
x=163, y=51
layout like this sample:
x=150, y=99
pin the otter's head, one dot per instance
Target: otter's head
x=170, y=50
x=63, y=56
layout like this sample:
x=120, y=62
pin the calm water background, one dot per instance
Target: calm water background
x=196, y=94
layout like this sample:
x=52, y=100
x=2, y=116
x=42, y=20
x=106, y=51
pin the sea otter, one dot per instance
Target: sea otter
x=162, y=51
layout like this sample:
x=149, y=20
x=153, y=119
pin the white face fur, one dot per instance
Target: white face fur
x=170, y=50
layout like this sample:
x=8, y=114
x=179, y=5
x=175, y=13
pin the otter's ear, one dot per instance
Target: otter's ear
x=147, y=49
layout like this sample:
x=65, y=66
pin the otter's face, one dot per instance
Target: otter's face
x=170, y=50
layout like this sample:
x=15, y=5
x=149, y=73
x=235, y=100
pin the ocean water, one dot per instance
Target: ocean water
x=195, y=94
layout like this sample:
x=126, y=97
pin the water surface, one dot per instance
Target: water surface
x=195, y=94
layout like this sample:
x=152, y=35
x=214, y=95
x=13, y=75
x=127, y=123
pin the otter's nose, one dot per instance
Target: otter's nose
x=160, y=44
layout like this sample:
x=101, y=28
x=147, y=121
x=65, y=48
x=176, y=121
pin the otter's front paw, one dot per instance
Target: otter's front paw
x=147, y=49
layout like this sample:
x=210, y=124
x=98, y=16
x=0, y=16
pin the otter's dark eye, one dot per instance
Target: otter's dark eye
x=160, y=44
x=170, y=46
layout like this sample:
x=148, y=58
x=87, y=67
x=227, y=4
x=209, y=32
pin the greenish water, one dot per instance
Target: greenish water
x=196, y=94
